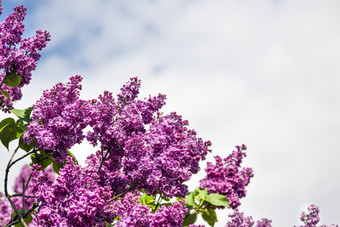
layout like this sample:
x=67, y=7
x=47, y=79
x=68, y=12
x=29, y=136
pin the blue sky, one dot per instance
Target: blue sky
x=264, y=73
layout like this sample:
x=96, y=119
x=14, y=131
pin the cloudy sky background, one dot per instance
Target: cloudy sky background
x=264, y=73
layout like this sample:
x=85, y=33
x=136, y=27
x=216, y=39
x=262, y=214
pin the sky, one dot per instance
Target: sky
x=264, y=73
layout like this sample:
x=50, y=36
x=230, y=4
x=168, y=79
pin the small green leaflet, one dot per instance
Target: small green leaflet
x=5, y=93
x=12, y=79
x=24, y=114
x=10, y=130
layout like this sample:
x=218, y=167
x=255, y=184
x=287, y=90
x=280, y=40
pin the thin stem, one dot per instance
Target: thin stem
x=8, y=196
x=23, y=193
x=103, y=160
x=15, y=221
x=123, y=193
x=27, y=196
x=22, y=157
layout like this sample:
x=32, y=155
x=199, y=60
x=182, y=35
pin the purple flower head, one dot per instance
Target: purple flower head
x=164, y=157
x=169, y=216
x=311, y=219
x=74, y=199
x=5, y=210
x=58, y=119
x=238, y=220
x=133, y=213
x=227, y=178
x=17, y=56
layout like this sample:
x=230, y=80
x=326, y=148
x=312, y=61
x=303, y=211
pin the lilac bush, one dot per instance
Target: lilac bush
x=138, y=173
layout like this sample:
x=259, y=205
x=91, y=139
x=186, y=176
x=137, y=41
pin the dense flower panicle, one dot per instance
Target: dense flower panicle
x=75, y=199
x=5, y=210
x=169, y=216
x=18, y=56
x=226, y=177
x=165, y=157
x=58, y=119
x=155, y=152
x=135, y=214
x=129, y=91
x=108, y=174
x=238, y=220
x=311, y=219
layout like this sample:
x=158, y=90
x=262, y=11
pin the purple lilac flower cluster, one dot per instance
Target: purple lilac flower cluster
x=139, y=149
x=311, y=219
x=226, y=177
x=58, y=119
x=75, y=199
x=136, y=214
x=5, y=210
x=153, y=151
x=238, y=220
x=17, y=56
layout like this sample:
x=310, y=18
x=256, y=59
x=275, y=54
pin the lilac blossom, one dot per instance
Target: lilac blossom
x=17, y=56
x=133, y=213
x=74, y=199
x=155, y=152
x=58, y=119
x=311, y=219
x=238, y=220
x=169, y=216
x=226, y=177
x=5, y=210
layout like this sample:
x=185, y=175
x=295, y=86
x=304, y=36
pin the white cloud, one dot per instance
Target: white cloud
x=261, y=73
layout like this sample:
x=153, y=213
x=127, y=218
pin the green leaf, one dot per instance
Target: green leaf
x=202, y=194
x=24, y=146
x=24, y=114
x=189, y=219
x=27, y=219
x=57, y=166
x=190, y=199
x=9, y=132
x=72, y=155
x=5, y=93
x=217, y=200
x=42, y=158
x=12, y=79
x=209, y=215
x=5, y=122
x=146, y=199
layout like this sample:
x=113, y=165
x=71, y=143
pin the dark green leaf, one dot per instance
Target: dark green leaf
x=217, y=200
x=12, y=79
x=209, y=215
x=5, y=122
x=10, y=132
x=57, y=166
x=24, y=114
x=167, y=204
x=27, y=219
x=24, y=146
x=5, y=93
x=42, y=158
x=189, y=219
